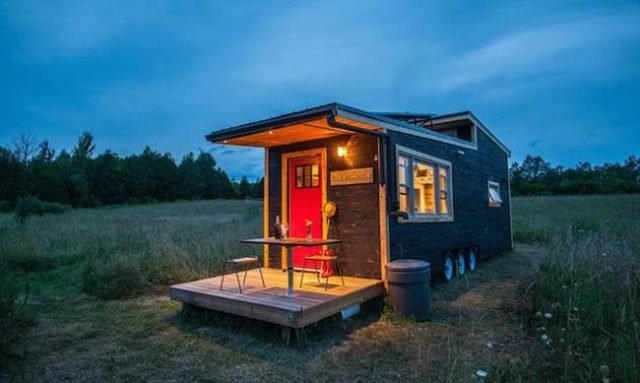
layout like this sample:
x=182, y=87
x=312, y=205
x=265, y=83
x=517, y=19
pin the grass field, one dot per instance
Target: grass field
x=587, y=295
x=84, y=298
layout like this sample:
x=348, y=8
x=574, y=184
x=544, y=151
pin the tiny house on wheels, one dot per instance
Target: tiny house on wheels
x=357, y=190
x=405, y=185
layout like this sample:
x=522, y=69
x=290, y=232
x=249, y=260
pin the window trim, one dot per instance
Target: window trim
x=438, y=163
x=493, y=203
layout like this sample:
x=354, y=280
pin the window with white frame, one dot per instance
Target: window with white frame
x=495, y=200
x=424, y=186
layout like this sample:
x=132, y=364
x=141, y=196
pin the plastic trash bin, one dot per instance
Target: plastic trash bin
x=409, y=287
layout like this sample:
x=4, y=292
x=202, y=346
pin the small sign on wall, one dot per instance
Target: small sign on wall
x=352, y=176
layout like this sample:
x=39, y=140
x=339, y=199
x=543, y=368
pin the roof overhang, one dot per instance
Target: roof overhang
x=309, y=125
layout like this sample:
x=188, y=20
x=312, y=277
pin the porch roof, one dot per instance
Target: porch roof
x=310, y=124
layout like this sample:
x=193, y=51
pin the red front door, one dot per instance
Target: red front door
x=305, y=203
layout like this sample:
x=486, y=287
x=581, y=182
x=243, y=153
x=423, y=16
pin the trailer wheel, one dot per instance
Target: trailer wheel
x=448, y=266
x=472, y=259
x=460, y=263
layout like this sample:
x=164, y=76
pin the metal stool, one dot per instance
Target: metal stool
x=322, y=258
x=246, y=261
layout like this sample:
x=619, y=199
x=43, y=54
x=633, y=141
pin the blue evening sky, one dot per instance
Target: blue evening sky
x=558, y=79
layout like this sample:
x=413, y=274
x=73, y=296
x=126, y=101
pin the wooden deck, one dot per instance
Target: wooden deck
x=310, y=304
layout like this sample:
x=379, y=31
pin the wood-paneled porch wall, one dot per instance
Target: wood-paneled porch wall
x=357, y=220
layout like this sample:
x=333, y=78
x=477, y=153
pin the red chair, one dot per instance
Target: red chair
x=327, y=260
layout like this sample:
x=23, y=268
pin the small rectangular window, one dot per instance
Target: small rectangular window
x=495, y=200
x=307, y=176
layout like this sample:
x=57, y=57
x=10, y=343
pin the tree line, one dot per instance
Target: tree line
x=535, y=176
x=82, y=179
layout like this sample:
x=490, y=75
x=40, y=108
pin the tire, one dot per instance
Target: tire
x=461, y=263
x=472, y=259
x=448, y=266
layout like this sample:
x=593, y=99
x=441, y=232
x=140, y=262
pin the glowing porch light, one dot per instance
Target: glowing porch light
x=342, y=151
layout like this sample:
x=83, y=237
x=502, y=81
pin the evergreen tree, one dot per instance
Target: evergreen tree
x=84, y=147
x=12, y=176
x=45, y=152
x=107, y=182
x=258, y=188
x=47, y=183
x=245, y=188
x=150, y=176
x=226, y=188
x=188, y=178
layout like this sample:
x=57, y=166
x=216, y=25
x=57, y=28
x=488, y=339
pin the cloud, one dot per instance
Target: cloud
x=325, y=45
x=545, y=50
x=249, y=162
x=70, y=28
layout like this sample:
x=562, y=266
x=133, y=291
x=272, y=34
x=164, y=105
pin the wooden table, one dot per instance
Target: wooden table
x=289, y=244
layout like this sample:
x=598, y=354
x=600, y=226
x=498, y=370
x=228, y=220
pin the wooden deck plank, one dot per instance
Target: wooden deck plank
x=246, y=296
x=310, y=304
x=270, y=314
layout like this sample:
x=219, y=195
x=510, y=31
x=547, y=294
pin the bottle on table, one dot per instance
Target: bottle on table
x=277, y=228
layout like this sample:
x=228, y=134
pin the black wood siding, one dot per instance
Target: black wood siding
x=475, y=223
x=357, y=220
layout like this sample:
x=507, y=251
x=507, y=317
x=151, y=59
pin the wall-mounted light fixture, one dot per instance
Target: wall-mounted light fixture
x=460, y=153
x=342, y=151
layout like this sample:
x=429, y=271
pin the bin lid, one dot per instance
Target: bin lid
x=408, y=265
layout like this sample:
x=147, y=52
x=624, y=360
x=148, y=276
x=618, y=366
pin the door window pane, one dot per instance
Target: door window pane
x=314, y=175
x=299, y=177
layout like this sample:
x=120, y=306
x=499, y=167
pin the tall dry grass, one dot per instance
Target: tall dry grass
x=588, y=285
x=126, y=251
x=587, y=297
